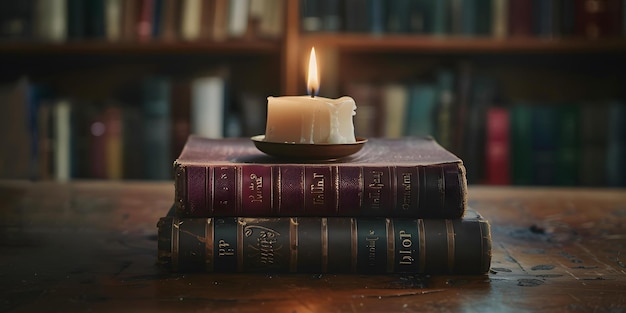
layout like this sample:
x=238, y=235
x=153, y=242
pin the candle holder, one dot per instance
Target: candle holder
x=308, y=151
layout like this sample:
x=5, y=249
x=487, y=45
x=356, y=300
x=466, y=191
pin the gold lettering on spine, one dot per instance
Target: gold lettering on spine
x=317, y=189
x=279, y=189
x=442, y=186
x=209, y=242
x=335, y=173
x=394, y=187
x=241, y=223
x=238, y=190
x=376, y=187
x=391, y=241
x=175, y=242
x=450, y=235
x=404, y=250
x=210, y=197
x=406, y=191
x=324, y=245
x=256, y=186
x=361, y=188
x=293, y=244
x=422, y=245
x=353, y=244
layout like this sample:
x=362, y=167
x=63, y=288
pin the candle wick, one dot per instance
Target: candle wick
x=312, y=92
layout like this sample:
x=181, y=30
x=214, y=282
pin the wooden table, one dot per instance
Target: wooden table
x=91, y=246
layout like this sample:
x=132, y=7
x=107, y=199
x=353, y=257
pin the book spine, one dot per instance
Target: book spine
x=325, y=245
x=437, y=191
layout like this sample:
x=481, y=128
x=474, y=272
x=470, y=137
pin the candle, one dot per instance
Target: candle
x=310, y=119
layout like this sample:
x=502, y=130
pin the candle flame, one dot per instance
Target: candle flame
x=313, y=81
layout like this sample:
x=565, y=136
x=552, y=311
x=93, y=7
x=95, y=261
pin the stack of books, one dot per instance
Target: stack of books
x=396, y=206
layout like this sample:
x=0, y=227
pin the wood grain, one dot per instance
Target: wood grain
x=91, y=246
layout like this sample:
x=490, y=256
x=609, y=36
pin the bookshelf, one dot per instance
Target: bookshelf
x=556, y=69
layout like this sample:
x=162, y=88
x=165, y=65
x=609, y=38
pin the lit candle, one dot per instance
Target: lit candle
x=310, y=119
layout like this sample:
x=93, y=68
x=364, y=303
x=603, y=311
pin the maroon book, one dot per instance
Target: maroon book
x=405, y=177
x=520, y=18
x=497, y=147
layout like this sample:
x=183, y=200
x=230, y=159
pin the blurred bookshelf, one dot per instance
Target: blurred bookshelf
x=525, y=92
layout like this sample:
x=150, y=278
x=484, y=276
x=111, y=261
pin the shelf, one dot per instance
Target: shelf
x=231, y=47
x=365, y=43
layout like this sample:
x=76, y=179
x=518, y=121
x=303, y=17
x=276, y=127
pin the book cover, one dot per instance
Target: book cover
x=326, y=245
x=222, y=177
x=61, y=113
x=395, y=97
x=500, y=18
x=483, y=16
x=238, y=18
x=331, y=15
x=544, y=144
x=157, y=128
x=170, y=19
x=521, y=144
x=95, y=27
x=441, y=17
x=76, y=24
x=616, y=150
x=191, y=19
x=520, y=18
x=593, y=144
x=311, y=15
x=399, y=16
x=208, y=106
x=483, y=91
x=113, y=19
x=497, y=147
x=543, y=23
x=50, y=20
x=568, y=146
x=421, y=110
x=421, y=17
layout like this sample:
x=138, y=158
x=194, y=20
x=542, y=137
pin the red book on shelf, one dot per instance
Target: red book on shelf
x=497, y=147
x=411, y=177
x=520, y=18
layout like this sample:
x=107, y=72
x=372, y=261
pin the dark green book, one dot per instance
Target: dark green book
x=325, y=245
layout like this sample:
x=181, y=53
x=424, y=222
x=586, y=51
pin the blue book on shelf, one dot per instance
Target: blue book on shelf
x=543, y=17
x=157, y=128
x=421, y=106
x=544, y=144
x=376, y=16
x=616, y=145
x=469, y=19
x=157, y=18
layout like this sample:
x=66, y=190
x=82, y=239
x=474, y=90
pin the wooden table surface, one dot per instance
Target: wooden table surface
x=91, y=246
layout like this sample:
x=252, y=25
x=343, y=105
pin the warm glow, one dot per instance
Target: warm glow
x=313, y=81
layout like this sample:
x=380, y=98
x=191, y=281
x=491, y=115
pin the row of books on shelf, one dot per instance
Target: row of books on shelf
x=502, y=141
x=140, y=20
x=238, y=210
x=134, y=135
x=496, y=18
